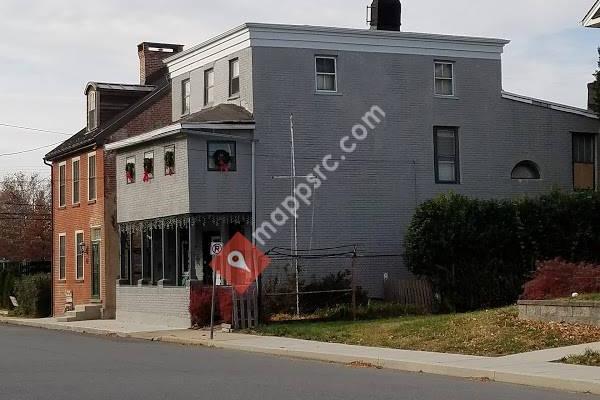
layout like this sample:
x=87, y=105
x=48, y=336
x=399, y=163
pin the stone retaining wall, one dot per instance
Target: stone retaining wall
x=583, y=312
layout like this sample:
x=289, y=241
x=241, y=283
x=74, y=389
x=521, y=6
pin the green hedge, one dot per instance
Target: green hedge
x=479, y=253
x=7, y=287
x=33, y=294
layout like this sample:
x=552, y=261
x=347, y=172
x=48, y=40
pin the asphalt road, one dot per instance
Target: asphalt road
x=41, y=364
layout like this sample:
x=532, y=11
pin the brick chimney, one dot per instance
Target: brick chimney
x=151, y=60
x=591, y=99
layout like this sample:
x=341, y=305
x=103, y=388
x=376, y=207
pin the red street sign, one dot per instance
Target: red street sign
x=240, y=263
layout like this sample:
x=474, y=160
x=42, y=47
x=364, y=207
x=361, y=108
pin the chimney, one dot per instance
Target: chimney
x=591, y=95
x=151, y=60
x=386, y=15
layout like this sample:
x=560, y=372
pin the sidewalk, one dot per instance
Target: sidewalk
x=532, y=369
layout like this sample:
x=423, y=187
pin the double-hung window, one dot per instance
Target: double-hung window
x=444, y=78
x=91, y=176
x=209, y=87
x=92, y=114
x=234, y=77
x=75, y=180
x=186, y=89
x=62, y=256
x=326, y=74
x=62, y=179
x=447, y=168
x=79, y=246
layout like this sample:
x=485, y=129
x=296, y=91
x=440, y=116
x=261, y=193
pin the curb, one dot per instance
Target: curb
x=532, y=380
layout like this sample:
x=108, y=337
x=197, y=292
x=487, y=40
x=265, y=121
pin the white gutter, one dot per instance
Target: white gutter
x=186, y=127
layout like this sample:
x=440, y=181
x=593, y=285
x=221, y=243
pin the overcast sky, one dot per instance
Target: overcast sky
x=51, y=48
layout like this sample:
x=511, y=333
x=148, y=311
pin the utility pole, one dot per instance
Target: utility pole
x=295, y=237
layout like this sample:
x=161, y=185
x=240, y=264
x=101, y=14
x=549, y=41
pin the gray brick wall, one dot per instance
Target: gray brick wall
x=154, y=305
x=370, y=200
x=221, y=88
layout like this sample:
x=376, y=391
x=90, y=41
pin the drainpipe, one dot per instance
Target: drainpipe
x=51, y=237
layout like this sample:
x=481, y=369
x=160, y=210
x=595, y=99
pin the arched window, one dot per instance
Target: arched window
x=526, y=170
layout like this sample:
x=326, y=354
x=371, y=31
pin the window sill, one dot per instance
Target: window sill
x=234, y=97
x=61, y=280
x=79, y=280
x=447, y=183
x=325, y=93
x=76, y=205
x=91, y=202
x=441, y=96
x=62, y=207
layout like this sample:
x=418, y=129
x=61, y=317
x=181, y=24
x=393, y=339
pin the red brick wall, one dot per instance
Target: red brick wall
x=73, y=218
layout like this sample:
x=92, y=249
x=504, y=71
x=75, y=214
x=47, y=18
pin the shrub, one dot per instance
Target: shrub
x=372, y=310
x=557, y=278
x=7, y=289
x=200, y=304
x=33, y=294
x=479, y=253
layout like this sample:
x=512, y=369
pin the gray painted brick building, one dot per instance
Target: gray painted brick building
x=448, y=125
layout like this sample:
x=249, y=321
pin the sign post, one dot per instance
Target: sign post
x=215, y=249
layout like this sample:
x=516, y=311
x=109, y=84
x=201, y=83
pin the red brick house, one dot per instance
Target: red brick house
x=85, y=253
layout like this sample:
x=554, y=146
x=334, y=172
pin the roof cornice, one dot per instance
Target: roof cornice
x=326, y=38
x=589, y=19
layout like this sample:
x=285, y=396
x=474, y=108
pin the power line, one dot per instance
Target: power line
x=30, y=150
x=35, y=129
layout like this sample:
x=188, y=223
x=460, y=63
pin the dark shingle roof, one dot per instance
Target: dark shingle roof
x=83, y=138
x=222, y=113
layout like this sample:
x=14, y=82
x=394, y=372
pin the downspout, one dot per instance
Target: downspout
x=51, y=238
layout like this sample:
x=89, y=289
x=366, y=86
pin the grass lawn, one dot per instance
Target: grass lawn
x=590, y=358
x=588, y=297
x=485, y=333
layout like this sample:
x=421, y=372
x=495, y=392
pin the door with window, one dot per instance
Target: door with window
x=584, y=161
x=95, y=258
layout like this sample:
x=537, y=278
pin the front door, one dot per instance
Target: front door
x=95, y=270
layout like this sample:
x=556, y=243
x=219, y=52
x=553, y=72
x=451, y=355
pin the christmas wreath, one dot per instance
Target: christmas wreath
x=148, y=169
x=130, y=172
x=169, y=163
x=222, y=160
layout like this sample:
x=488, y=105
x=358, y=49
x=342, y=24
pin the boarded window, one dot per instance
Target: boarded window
x=584, y=162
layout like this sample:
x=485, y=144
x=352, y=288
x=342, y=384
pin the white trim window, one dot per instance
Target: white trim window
x=186, y=90
x=234, y=77
x=326, y=74
x=444, y=78
x=62, y=256
x=62, y=184
x=75, y=173
x=209, y=87
x=91, y=177
x=92, y=114
x=79, y=240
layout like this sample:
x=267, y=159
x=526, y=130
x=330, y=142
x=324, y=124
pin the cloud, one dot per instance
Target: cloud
x=50, y=49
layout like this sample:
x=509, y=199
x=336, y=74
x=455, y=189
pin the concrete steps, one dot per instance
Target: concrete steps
x=83, y=312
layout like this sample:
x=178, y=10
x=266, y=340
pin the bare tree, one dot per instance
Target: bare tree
x=25, y=218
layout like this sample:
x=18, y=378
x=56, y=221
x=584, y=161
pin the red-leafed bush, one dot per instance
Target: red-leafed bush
x=200, y=303
x=558, y=278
